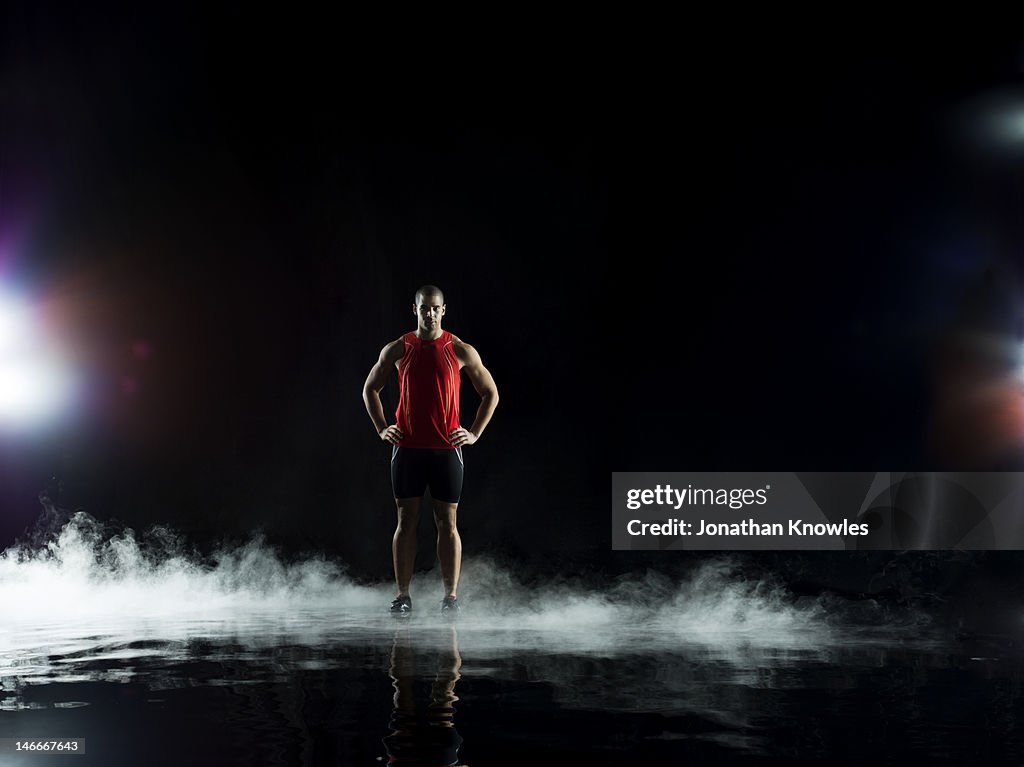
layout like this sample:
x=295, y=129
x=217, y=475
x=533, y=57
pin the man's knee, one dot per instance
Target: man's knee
x=445, y=517
x=408, y=511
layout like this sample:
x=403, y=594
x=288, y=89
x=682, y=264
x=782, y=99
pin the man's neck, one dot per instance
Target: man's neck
x=425, y=335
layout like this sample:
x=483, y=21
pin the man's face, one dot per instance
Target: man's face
x=429, y=310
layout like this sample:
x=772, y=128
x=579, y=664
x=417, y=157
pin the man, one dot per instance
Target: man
x=427, y=436
x=419, y=736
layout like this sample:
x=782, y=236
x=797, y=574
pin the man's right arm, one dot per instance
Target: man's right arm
x=375, y=382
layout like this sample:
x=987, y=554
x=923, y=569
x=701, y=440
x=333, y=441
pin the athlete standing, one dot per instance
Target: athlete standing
x=427, y=437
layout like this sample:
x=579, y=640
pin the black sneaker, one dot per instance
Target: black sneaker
x=449, y=606
x=401, y=606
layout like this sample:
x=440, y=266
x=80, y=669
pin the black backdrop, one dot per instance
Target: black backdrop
x=229, y=227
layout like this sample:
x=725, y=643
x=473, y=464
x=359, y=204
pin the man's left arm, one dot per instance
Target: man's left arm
x=484, y=384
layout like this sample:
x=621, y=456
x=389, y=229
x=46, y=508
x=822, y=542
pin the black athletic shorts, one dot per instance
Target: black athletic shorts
x=414, y=469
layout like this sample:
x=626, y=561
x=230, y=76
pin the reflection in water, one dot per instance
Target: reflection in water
x=261, y=662
x=317, y=692
x=423, y=736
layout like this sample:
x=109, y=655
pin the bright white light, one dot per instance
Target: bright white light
x=16, y=329
x=31, y=391
x=34, y=386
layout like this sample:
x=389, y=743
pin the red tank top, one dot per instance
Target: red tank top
x=428, y=391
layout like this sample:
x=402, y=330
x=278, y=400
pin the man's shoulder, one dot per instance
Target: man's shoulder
x=395, y=348
x=463, y=350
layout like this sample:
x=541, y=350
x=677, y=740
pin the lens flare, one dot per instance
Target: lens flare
x=35, y=385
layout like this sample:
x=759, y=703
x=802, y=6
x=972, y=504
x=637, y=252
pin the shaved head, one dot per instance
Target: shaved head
x=427, y=291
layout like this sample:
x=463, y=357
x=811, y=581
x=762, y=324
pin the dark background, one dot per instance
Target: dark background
x=226, y=225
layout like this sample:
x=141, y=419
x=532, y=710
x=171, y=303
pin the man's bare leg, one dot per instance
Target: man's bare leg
x=449, y=545
x=403, y=545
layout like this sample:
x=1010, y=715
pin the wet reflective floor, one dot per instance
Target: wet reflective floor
x=305, y=687
x=158, y=657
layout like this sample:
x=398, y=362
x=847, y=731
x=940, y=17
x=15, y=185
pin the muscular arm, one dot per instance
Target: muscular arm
x=482, y=381
x=376, y=380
